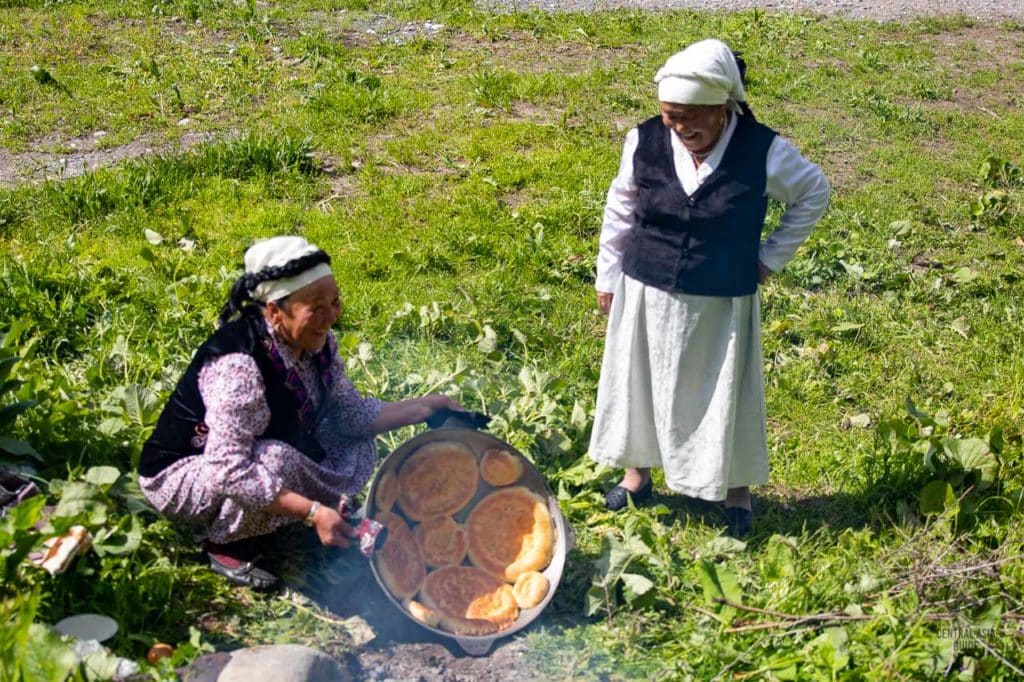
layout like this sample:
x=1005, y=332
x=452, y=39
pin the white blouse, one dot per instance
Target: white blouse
x=794, y=181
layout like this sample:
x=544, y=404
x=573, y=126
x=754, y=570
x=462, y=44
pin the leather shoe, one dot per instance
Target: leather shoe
x=738, y=521
x=617, y=498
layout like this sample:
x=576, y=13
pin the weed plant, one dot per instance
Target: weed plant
x=454, y=163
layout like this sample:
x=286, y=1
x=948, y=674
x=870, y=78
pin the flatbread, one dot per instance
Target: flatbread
x=386, y=492
x=423, y=614
x=399, y=561
x=500, y=467
x=442, y=541
x=510, y=533
x=530, y=589
x=437, y=480
x=469, y=601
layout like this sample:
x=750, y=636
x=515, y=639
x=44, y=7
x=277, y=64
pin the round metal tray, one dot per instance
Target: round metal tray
x=479, y=441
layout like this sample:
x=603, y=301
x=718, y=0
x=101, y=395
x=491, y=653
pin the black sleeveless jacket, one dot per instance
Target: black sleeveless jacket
x=705, y=243
x=181, y=432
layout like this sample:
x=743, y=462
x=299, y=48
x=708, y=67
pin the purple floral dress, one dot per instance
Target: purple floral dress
x=225, y=490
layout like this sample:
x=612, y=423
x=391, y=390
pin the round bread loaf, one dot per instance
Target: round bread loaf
x=510, y=533
x=442, y=541
x=469, y=601
x=500, y=467
x=438, y=479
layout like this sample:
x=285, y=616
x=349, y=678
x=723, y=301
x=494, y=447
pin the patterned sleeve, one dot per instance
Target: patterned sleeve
x=355, y=413
x=236, y=413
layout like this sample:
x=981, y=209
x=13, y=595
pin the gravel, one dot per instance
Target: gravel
x=879, y=10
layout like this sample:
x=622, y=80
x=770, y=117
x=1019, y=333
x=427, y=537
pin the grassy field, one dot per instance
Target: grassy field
x=454, y=163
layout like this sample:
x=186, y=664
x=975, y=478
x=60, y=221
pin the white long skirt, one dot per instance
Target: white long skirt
x=682, y=388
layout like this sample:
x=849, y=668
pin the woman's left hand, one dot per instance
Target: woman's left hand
x=438, y=401
x=411, y=411
x=763, y=271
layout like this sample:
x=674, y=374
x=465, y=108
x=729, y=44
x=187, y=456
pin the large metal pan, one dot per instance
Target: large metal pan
x=455, y=429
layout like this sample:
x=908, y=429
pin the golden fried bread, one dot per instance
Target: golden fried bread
x=399, y=561
x=423, y=614
x=442, y=541
x=386, y=492
x=500, y=467
x=438, y=479
x=469, y=601
x=510, y=533
x=530, y=589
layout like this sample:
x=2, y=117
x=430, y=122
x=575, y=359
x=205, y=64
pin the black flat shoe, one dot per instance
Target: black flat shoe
x=739, y=521
x=240, y=569
x=617, y=498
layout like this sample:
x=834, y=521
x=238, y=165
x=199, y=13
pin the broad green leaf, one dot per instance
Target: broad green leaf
x=47, y=658
x=81, y=497
x=723, y=544
x=843, y=327
x=596, y=600
x=6, y=365
x=18, y=448
x=638, y=584
x=612, y=562
x=718, y=582
x=914, y=413
x=963, y=275
x=8, y=413
x=111, y=426
x=936, y=497
x=102, y=476
x=122, y=539
x=972, y=454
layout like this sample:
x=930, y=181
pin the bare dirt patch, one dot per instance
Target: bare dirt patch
x=77, y=156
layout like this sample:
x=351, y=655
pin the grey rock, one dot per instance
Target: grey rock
x=283, y=663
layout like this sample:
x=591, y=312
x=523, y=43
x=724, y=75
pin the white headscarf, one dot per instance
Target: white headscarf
x=704, y=73
x=278, y=251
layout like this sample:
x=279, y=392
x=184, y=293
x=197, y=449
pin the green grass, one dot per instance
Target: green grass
x=457, y=178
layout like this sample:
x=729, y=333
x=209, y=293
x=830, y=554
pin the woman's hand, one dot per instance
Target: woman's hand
x=331, y=528
x=763, y=271
x=604, y=301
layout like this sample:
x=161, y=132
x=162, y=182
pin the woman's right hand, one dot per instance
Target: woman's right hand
x=331, y=528
x=604, y=301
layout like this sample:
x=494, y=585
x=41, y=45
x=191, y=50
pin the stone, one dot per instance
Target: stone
x=283, y=663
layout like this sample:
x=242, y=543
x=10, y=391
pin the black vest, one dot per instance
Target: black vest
x=181, y=432
x=706, y=243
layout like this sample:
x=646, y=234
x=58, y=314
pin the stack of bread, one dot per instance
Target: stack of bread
x=469, y=578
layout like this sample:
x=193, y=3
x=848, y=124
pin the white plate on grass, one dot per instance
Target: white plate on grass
x=86, y=626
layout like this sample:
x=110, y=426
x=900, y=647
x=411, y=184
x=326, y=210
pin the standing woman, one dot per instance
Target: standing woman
x=678, y=270
x=265, y=429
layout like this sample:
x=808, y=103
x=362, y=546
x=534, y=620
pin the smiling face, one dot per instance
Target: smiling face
x=305, y=318
x=698, y=126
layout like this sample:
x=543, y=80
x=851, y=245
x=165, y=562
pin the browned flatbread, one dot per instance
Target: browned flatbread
x=469, y=601
x=386, y=492
x=500, y=467
x=399, y=561
x=530, y=589
x=437, y=480
x=510, y=533
x=442, y=541
x=423, y=614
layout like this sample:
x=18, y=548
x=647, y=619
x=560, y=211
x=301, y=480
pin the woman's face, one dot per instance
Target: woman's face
x=305, y=318
x=698, y=126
